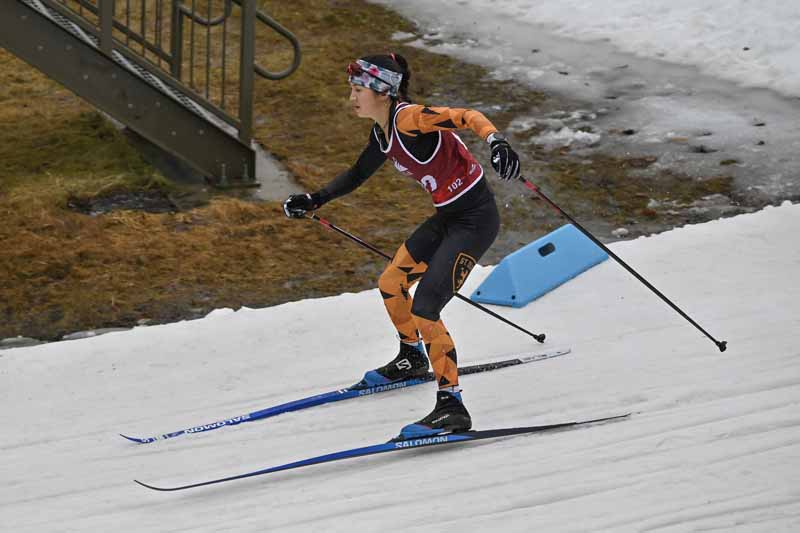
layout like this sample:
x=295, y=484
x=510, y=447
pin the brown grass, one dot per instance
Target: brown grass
x=63, y=271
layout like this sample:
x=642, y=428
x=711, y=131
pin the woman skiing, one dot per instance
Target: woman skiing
x=441, y=252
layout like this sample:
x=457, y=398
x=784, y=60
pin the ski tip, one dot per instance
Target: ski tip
x=137, y=440
x=151, y=487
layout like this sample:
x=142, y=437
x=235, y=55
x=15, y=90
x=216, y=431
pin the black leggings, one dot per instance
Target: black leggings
x=451, y=242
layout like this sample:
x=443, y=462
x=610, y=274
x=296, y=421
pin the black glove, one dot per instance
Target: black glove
x=297, y=204
x=505, y=160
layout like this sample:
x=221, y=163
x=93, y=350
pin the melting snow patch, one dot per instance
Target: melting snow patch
x=567, y=137
x=403, y=36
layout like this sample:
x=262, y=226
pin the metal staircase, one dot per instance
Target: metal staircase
x=180, y=76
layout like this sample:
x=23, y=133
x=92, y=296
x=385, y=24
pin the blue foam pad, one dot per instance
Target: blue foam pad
x=539, y=267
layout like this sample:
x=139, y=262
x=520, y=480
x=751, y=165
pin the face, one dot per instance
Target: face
x=367, y=103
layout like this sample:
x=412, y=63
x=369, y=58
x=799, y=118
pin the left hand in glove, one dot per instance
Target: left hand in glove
x=297, y=204
x=505, y=160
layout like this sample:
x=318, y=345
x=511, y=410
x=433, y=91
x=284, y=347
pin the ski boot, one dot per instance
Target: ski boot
x=449, y=416
x=411, y=362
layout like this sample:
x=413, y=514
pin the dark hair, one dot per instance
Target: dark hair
x=395, y=63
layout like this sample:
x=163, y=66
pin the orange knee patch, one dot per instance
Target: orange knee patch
x=441, y=351
x=394, y=283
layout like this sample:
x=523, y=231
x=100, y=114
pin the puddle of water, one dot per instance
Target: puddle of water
x=148, y=201
x=276, y=182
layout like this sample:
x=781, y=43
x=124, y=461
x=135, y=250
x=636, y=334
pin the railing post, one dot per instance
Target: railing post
x=176, y=44
x=106, y=25
x=247, y=70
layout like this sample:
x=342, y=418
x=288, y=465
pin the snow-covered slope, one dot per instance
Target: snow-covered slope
x=714, y=443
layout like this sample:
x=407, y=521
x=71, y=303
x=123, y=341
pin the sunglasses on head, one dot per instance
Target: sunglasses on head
x=354, y=69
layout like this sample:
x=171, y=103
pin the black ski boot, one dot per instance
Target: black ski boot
x=411, y=362
x=449, y=416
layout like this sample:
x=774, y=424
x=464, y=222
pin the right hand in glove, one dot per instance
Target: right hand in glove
x=297, y=204
x=505, y=160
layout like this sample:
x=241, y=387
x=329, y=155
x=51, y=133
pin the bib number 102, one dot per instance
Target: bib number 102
x=458, y=182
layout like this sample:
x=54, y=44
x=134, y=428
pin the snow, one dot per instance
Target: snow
x=567, y=137
x=658, y=69
x=713, y=444
x=751, y=43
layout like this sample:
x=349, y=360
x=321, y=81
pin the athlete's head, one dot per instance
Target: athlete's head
x=385, y=74
x=376, y=81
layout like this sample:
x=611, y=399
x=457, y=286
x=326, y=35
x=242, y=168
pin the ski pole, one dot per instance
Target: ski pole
x=722, y=345
x=539, y=337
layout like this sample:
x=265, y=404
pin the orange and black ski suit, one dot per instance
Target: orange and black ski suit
x=442, y=251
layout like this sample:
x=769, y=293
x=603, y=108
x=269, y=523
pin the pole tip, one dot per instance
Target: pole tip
x=540, y=337
x=722, y=345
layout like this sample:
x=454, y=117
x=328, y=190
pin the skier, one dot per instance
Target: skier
x=441, y=252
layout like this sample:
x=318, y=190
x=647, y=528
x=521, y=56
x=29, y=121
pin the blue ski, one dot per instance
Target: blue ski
x=397, y=445
x=345, y=394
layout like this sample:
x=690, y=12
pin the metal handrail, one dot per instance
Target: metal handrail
x=263, y=17
x=272, y=23
x=132, y=35
x=266, y=19
x=242, y=118
x=205, y=22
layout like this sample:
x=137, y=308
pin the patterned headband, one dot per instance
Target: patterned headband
x=379, y=79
